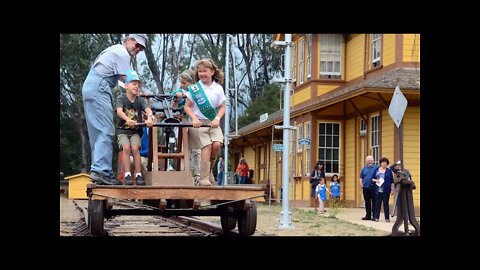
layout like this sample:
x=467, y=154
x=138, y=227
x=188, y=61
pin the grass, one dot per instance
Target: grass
x=307, y=222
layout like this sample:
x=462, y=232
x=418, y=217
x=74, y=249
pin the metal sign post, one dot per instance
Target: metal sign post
x=404, y=185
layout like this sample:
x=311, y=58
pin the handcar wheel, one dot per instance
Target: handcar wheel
x=247, y=222
x=228, y=222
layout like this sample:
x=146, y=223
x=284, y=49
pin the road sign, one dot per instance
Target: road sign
x=397, y=107
x=304, y=141
x=278, y=147
x=263, y=117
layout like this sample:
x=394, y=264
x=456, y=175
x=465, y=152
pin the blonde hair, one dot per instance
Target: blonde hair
x=208, y=63
x=188, y=75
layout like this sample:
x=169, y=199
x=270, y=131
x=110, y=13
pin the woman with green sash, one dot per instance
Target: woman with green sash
x=206, y=105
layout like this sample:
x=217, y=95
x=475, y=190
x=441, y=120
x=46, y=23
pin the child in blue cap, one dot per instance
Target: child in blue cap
x=129, y=109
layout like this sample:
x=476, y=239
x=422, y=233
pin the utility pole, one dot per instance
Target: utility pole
x=228, y=105
x=285, y=214
x=227, y=115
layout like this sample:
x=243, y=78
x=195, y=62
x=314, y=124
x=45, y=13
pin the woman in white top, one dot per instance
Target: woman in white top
x=207, y=88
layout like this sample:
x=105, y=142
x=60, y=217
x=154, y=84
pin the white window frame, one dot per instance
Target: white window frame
x=338, y=148
x=293, y=69
x=376, y=45
x=374, y=137
x=325, y=39
x=299, y=136
x=309, y=56
x=307, y=149
x=301, y=61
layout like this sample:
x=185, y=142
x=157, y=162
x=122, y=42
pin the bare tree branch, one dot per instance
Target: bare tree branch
x=152, y=64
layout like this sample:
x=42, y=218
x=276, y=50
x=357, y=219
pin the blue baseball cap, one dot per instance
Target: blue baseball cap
x=132, y=75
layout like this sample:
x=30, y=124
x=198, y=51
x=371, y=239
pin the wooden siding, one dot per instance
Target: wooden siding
x=388, y=53
x=300, y=96
x=355, y=56
x=325, y=88
x=411, y=151
x=411, y=48
x=349, y=178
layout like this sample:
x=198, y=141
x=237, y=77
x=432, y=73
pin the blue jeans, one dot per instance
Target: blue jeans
x=97, y=104
x=243, y=179
x=219, y=178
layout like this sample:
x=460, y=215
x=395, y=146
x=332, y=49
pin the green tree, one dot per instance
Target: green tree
x=268, y=102
x=77, y=52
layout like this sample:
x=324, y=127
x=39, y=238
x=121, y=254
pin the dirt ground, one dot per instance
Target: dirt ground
x=306, y=222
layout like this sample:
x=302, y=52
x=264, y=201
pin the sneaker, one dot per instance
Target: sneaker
x=95, y=177
x=139, y=180
x=196, y=181
x=128, y=181
x=103, y=180
x=387, y=220
x=112, y=181
x=376, y=220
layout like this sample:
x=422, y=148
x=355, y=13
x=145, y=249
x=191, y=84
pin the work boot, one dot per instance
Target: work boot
x=128, y=181
x=211, y=178
x=139, y=180
x=205, y=173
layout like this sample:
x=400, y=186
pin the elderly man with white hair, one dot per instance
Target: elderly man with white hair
x=368, y=186
x=109, y=67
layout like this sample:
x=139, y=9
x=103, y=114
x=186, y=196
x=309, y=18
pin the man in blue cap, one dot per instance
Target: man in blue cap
x=109, y=67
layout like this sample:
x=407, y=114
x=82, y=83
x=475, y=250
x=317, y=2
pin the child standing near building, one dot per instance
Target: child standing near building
x=335, y=188
x=321, y=192
x=129, y=107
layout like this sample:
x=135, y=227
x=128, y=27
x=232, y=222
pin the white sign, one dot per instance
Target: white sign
x=397, y=107
x=263, y=117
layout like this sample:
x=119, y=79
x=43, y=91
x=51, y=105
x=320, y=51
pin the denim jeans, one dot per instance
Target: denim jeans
x=220, y=178
x=97, y=104
x=243, y=179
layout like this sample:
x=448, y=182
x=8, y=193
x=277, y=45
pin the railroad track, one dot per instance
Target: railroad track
x=124, y=226
x=156, y=226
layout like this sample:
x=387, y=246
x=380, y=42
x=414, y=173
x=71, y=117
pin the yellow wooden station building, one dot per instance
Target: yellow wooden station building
x=341, y=90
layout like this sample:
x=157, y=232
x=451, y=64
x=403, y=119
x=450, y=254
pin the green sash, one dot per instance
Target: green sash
x=201, y=99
